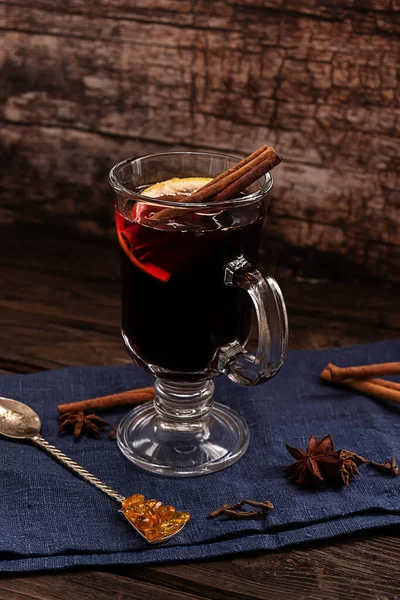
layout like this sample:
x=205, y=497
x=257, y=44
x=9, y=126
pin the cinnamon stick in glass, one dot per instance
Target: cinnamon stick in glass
x=236, y=167
x=230, y=184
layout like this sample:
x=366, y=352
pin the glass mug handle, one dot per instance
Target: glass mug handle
x=234, y=360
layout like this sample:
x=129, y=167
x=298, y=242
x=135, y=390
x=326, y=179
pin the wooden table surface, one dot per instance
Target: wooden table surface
x=60, y=307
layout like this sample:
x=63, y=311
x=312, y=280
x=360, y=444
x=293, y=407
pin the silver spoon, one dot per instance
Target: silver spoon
x=150, y=518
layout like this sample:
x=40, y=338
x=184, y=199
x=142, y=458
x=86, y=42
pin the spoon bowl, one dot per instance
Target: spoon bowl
x=17, y=420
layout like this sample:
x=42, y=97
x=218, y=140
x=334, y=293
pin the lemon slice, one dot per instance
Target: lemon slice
x=175, y=186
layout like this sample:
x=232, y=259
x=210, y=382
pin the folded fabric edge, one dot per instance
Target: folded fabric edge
x=265, y=541
x=262, y=530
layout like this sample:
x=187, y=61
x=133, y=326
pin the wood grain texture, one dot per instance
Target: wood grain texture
x=102, y=586
x=86, y=84
x=314, y=572
x=359, y=567
x=59, y=307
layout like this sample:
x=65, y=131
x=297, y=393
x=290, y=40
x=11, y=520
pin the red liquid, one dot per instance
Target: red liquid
x=176, y=309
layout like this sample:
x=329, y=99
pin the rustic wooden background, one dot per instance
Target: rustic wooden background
x=86, y=83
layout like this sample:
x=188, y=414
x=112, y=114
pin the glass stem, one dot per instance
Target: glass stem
x=183, y=404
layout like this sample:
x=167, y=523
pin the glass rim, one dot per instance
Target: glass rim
x=240, y=200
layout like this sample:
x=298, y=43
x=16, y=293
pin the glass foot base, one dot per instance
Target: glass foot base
x=169, y=448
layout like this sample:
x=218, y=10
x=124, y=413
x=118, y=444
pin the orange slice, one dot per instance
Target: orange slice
x=153, y=251
x=148, y=267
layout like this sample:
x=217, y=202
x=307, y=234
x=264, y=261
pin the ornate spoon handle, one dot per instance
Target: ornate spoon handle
x=151, y=519
x=73, y=466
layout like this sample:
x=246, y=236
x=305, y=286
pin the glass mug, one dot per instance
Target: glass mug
x=188, y=290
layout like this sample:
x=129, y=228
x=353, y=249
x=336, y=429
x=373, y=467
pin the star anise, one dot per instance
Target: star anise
x=307, y=468
x=321, y=462
x=80, y=423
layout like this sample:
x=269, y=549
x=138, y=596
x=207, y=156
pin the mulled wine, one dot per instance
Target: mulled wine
x=176, y=309
x=189, y=226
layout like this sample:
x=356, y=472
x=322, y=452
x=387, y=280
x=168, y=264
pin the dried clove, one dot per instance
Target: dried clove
x=232, y=510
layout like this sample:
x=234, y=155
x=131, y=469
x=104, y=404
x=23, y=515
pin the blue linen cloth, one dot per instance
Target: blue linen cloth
x=49, y=518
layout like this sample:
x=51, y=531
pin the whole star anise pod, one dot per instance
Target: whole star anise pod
x=80, y=423
x=307, y=468
x=321, y=462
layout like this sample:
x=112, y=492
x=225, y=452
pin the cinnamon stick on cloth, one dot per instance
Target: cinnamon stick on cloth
x=364, y=371
x=375, y=387
x=111, y=401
